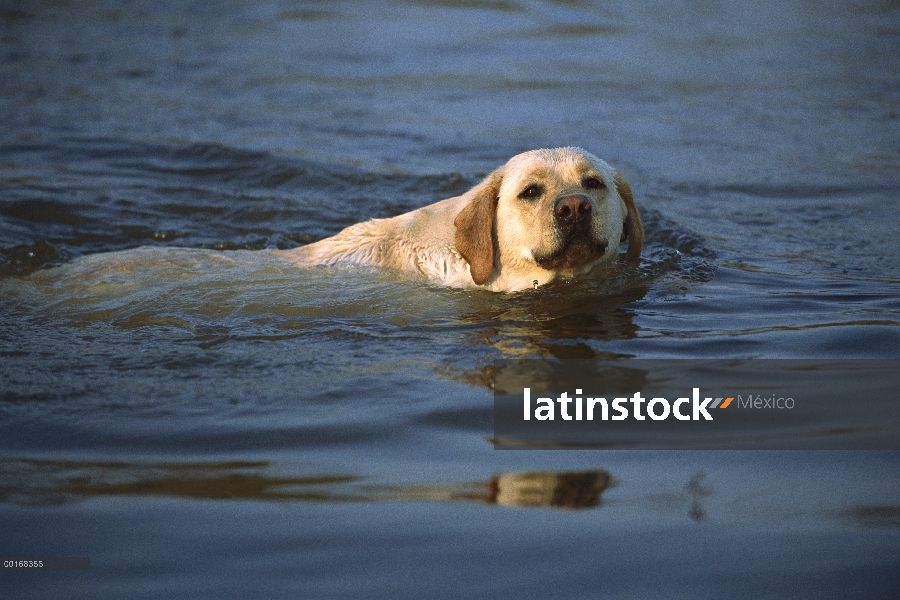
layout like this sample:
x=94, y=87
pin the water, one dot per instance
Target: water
x=211, y=422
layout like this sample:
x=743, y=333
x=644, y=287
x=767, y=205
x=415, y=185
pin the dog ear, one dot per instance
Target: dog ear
x=633, y=229
x=474, y=236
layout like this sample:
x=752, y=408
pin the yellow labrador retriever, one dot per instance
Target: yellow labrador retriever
x=543, y=214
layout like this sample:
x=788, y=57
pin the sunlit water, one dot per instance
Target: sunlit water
x=202, y=419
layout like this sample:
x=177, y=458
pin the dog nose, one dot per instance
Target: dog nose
x=572, y=209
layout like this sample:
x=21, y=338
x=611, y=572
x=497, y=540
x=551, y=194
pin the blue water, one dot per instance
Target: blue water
x=209, y=422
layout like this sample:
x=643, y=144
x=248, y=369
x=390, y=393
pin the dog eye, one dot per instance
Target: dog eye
x=532, y=191
x=592, y=183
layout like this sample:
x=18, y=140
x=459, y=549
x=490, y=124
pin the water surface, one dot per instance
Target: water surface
x=204, y=421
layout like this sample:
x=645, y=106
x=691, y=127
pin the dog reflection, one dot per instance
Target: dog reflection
x=51, y=483
x=548, y=490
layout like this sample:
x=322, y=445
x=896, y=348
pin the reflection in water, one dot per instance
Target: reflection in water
x=698, y=492
x=554, y=323
x=37, y=483
x=562, y=320
x=44, y=483
x=545, y=489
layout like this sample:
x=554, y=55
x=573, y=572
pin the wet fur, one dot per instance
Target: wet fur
x=492, y=237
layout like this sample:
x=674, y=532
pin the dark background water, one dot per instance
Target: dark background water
x=221, y=425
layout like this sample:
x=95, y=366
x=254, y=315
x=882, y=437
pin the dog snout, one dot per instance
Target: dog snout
x=571, y=209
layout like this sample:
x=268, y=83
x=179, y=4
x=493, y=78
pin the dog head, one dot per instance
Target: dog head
x=559, y=210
